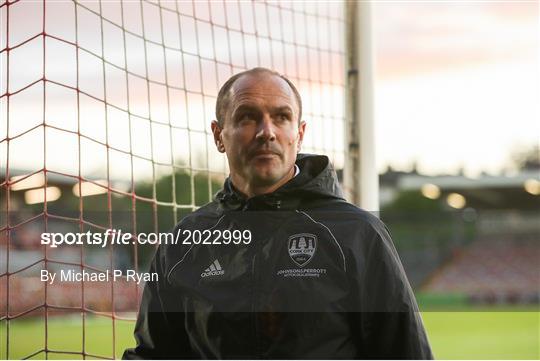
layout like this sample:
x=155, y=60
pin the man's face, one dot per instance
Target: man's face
x=260, y=133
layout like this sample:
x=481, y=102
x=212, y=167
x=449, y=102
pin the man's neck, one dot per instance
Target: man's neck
x=250, y=190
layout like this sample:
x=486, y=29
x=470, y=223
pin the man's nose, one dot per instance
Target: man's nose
x=266, y=131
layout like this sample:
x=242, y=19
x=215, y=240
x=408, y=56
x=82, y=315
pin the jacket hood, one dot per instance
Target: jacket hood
x=316, y=181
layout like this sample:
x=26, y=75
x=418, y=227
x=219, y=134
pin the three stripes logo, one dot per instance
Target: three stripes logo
x=213, y=270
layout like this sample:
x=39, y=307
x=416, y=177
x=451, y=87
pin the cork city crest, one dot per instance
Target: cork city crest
x=302, y=247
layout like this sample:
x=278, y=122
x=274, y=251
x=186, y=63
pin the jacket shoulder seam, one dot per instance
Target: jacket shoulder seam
x=333, y=237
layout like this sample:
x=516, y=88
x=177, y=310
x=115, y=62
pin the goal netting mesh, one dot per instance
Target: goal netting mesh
x=105, y=109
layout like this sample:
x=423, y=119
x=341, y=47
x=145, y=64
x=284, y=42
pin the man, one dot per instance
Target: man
x=308, y=274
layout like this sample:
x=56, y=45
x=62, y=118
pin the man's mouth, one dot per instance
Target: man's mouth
x=265, y=154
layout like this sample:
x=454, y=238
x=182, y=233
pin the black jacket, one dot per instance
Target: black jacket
x=320, y=279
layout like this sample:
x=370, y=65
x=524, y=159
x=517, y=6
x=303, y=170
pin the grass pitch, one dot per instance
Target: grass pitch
x=491, y=334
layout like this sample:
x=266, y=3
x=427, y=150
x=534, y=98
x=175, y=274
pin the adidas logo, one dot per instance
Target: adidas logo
x=213, y=270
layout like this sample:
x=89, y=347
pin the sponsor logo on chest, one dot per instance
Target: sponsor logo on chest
x=214, y=269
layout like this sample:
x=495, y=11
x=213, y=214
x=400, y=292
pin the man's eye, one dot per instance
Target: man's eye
x=284, y=116
x=246, y=117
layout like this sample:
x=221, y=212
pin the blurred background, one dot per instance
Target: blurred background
x=105, y=110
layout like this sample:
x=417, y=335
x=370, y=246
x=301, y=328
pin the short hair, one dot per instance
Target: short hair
x=224, y=95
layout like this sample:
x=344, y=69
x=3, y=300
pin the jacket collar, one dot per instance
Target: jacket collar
x=317, y=180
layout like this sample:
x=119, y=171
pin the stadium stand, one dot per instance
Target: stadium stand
x=499, y=270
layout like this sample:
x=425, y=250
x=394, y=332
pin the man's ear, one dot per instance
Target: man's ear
x=301, y=130
x=216, y=130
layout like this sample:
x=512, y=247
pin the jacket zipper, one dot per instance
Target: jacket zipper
x=255, y=275
x=254, y=307
x=276, y=204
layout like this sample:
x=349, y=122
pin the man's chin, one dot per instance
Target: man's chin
x=266, y=177
x=265, y=180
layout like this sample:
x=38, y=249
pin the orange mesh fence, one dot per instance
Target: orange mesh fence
x=105, y=109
